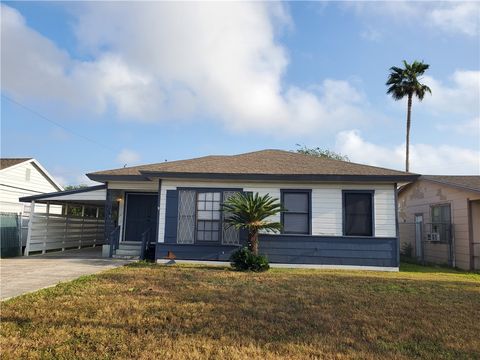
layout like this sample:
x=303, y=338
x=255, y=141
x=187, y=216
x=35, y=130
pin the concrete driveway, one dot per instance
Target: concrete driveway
x=26, y=274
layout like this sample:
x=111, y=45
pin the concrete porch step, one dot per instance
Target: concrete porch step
x=128, y=252
x=126, y=257
x=129, y=246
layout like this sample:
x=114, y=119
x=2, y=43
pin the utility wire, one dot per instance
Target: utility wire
x=57, y=124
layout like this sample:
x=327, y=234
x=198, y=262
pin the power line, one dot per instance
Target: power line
x=57, y=124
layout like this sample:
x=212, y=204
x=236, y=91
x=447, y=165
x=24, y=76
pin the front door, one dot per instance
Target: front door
x=141, y=215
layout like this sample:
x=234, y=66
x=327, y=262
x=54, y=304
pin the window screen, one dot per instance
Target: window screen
x=208, y=216
x=230, y=235
x=358, y=213
x=186, y=217
x=441, y=221
x=296, y=217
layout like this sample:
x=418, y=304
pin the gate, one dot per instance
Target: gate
x=10, y=235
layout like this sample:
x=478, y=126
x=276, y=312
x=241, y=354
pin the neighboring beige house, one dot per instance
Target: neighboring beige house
x=21, y=177
x=440, y=217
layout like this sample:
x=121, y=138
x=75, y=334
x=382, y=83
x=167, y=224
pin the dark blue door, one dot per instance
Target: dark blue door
x=141, y=215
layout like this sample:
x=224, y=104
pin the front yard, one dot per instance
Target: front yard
x=147, y=312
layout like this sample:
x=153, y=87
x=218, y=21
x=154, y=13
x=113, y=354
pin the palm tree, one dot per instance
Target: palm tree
x=250, y=212
x=405, y=82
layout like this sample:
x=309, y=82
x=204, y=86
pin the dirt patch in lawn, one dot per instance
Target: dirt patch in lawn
x=192, y=312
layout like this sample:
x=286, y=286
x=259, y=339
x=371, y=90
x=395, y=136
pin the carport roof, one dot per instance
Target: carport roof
x=88, y=195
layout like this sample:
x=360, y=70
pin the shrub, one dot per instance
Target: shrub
x=245, y=260
x=407, y=250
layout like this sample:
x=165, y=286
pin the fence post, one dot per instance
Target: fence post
x=65, y=231
x=96, y=227
x=422, y=242
x=45, y=235
x=452, y=244
x=29, y=233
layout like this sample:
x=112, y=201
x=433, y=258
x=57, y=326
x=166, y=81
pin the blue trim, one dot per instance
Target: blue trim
x=212, y=189
x=320, y=250
x=171, y=216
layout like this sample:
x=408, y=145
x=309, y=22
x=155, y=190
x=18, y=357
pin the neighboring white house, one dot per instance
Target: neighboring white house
x=21, y=177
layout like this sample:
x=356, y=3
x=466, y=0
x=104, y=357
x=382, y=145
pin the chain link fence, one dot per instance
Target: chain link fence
x=428, y=242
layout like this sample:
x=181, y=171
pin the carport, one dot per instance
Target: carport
x=84, y=227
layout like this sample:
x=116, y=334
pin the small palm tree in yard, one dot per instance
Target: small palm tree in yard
x=251, y=212
x=406, y=82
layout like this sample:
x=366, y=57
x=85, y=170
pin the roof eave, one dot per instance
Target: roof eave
x=283, y=177
x=60, y=193
x=108, y=177
x=446, y=183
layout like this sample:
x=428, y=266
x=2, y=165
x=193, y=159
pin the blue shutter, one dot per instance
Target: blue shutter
x=171, y=216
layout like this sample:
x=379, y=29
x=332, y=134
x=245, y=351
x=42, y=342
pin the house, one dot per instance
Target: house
x=338, y=213
x=440, y=218
x=23, y=177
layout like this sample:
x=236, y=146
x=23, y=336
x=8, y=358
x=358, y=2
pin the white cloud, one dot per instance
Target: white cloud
x=371, y=34
x=167, y=61
x=128, y=157
x=463, y=17
x=424, y=158
x=462, y=96
x=449, y=17
x=470, y=127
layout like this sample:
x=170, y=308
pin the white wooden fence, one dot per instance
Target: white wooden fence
x=60, y=232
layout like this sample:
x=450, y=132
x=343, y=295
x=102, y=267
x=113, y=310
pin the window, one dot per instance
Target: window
x=441, y=221
x=296, y=217
x=208, y=216
x=358, y=213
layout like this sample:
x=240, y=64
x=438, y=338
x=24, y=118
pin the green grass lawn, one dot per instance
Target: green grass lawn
x=190, y=312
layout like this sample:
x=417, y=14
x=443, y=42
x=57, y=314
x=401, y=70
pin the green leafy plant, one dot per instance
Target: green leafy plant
x=407, y=250
x=406, y=82
x=245, y=260
x=322, y=153
x=251, y=212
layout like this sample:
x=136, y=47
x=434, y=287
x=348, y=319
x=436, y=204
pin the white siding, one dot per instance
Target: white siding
x=14, y=184
x=148, y=186
x=326, y=202
x=97, y=195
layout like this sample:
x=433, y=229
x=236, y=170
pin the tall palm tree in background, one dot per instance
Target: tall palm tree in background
x=250, y=212
x=406, y=82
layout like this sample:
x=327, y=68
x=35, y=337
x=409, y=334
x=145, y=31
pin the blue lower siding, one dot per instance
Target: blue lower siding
x=320, y=250
x=196, y=252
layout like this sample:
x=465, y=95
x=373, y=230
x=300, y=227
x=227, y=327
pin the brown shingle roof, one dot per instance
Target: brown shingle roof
x=263, y=163
x=468, y=182
x=7, y=162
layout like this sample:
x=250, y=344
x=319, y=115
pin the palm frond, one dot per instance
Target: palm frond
x=251, y=211
x=405, y=81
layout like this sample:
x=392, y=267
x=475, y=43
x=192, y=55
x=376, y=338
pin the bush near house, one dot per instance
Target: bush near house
x=245, y=260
